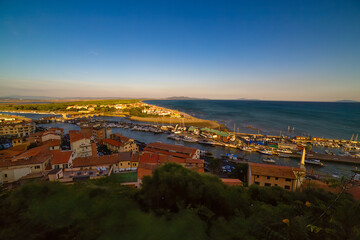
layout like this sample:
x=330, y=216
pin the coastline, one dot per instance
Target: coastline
x=188, y=121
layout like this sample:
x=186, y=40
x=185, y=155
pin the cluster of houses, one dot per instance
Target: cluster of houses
x=91, y=107
x=15, y=126
x=43, y=155
x=82, y=162
x=159, y=111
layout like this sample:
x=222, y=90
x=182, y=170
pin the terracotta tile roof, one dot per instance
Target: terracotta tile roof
x=53, y=129
x=273, y=170
x=101, y=160
x=151, y=157
x=170, y=149
x=191, y=160
x=232, y=181
x=60, y=157
x=122, y=138
x=146, y=169
x=7, y=154
x=52, y=142
x=135, y=158
x=32, y=156
x=21, y=147
x=76, y=136
x=37, y=134
x=113, y=142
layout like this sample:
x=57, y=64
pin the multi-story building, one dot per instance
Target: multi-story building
x=156, y=154
x=34, y=160
x=120, y=143
x=96, y=132
x=17, y=129
x=118, y=162
x=289, y=178
x=80, y=144
x=62, y=159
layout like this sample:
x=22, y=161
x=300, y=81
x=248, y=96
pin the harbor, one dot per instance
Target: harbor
x=338, y=156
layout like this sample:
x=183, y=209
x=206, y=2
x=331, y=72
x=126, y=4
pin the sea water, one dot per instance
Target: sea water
x=337, y=120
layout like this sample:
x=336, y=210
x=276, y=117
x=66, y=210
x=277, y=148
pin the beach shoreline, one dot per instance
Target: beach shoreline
x=188, y=121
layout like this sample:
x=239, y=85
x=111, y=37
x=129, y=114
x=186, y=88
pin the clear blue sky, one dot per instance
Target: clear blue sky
x=275, y=50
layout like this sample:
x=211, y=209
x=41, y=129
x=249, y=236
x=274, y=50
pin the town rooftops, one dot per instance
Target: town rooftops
x=32, y=156
x=76, y=136
x=101, y=160
x=149, y=157
x=232, y=181
x=60, y=157
x=273, y=170
x=120, y=137
x=170, y=149
x=53, y=142
x=113, y=142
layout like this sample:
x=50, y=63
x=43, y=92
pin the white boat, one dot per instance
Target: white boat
x=329, y=152
x=265, y=152
x=269, y=160
x=206, y=142
x=284, y=155
x=174, y=137
x=189, y=139
x=286, y=151
x=246, y=149
x=314, y=162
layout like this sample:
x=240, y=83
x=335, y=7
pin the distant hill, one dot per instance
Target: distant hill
x=185, y=98
x=247, y=99
x=345, y=101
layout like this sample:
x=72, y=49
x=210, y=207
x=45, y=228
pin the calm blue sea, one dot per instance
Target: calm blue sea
x=320, y=119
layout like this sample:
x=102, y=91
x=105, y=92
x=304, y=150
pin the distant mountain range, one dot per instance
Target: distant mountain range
x=42, y=98
x=345, y=101
x=185, y=98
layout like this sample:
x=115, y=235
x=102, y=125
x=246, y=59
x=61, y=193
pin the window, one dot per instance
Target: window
x=288, y=179
x=268, y=177
x=128, y=163
x=37, y=167
x=120, y=164
x=275, y=184
x=276, y=178
x=287, y=187
x=257, y=183
x=257, y=176
x=267, y=184
x=5, y=175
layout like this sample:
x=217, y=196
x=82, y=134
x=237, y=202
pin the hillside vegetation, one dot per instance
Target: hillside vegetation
x=175, y=203
x=63, y=105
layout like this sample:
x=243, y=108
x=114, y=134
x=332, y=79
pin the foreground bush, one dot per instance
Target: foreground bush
x=175, y=203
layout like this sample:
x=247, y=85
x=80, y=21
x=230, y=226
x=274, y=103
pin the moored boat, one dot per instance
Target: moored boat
x=314, y=162
x=269, y=160
x=265, y=152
